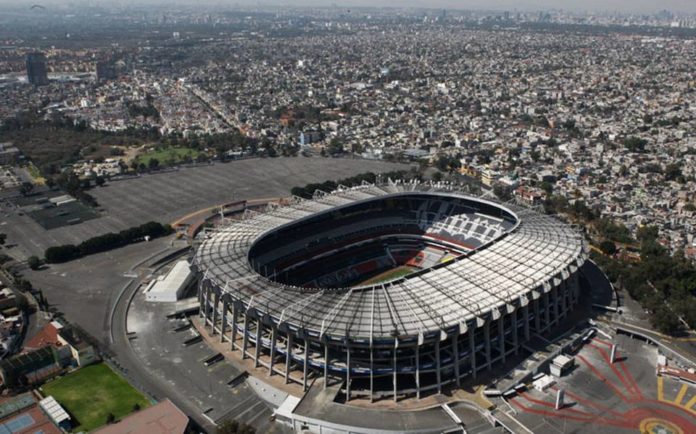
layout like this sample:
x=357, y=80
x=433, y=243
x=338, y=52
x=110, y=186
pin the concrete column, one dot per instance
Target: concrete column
x=259, y=329
x=305, y=368
x=472, y=351
x=525, y=313
x=201, y=300
x=216, y=301
x=556, y=303
x=547, y=311
x=372, y=375
x=537, y=316
x=326, y=364
x=274, y=336
x=501, y=338
x=245, y=337
x=487, y=343
x=394, y=378
x=348, y=373
x=288, y=354
x=206, y=307
x=559, y=399
x=418, y=371
x=455, y=348
x=437, y=365
x=223, y=325
x=513, y=321
x=233, y=345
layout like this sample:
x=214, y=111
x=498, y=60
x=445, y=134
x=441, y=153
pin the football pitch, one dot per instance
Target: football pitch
x=91, y=393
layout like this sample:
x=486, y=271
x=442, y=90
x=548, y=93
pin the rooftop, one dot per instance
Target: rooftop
x=162, y=418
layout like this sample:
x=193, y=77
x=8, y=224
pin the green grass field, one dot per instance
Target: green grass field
x=166, y=156
x=388, y=275
x=93, y=392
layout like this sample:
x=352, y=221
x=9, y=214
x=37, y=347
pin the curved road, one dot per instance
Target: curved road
x=134, y=368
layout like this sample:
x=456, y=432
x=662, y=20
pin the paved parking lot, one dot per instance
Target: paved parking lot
x=162, y=352
x=166, y=196
x=86, y=289
x=602, y=397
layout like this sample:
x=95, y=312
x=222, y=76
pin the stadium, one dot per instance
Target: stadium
x=390, y=290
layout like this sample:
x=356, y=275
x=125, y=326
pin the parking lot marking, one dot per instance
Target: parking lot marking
x=604, y=379
x=681, y=394
x=660, y=389
x=690, y=404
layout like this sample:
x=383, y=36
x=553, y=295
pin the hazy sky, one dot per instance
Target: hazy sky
x=577, y=5
x=580, y=5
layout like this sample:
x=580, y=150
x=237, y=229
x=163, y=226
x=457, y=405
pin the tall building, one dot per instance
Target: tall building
x=105, y=71
x=36, y=69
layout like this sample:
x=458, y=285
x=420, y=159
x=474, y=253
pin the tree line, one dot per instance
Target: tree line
x=664, y=284
x=102, y=243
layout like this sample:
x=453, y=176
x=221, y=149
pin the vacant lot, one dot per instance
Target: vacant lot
x=91, y=393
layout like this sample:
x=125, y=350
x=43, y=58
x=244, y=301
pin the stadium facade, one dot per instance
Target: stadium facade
x=390, y=290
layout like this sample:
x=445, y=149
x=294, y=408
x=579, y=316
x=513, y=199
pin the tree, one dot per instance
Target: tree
x=26, y=188
x=99, y=180
x=664, y=320
x=153, y=163
x=672, y=172
x=335, y=146
x=64, y=253
x=3, y=239
x=646, y=233
x=34, y=262
x=547, y=187
x=442, y=162
x=234, y=427
x=110, y=418
x=635, y=144
x=608, y=247
x=136, y=407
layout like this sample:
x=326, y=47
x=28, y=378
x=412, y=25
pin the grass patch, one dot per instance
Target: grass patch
x=93, y=392
x=168, y=156
x=388, y=275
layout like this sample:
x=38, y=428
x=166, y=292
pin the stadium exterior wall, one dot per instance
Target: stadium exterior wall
x=430, y=364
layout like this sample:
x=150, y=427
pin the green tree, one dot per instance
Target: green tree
x=234, y=427
x=34, y=262
x=607, y=247
x=335, y=146
x=664, y=320
x=646, y=233
x=672, y=172
x=26, y=188
x=635, y=144
x=547, y=187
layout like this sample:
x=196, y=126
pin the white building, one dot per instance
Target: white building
x=170, y=287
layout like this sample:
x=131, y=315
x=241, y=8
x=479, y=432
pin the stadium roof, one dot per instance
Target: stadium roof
x=536, y=255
